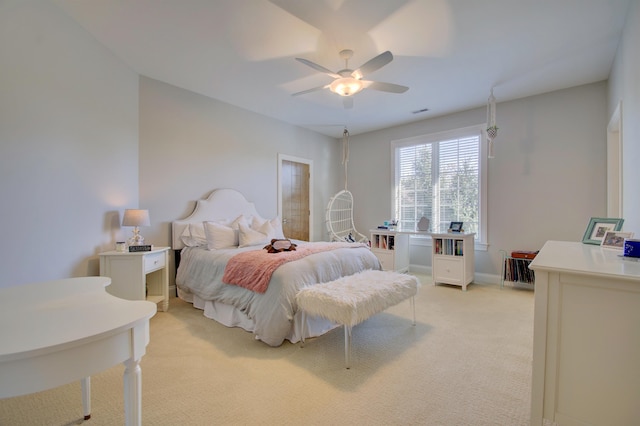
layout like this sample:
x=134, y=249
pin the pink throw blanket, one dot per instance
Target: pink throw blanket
x=253, y=269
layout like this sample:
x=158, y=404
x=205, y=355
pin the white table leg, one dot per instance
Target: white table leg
x=85, y=384
x=132, y=392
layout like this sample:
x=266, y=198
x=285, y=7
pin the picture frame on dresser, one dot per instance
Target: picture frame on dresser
x=597, y=228
x=455, y=227
x=615, y=240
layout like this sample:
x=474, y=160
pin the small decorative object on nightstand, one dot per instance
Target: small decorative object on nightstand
x=138, y=275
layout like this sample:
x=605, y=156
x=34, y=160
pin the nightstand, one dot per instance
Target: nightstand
x=138, y=276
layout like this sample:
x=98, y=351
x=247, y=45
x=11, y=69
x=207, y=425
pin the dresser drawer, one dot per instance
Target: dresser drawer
x=448, y=269
x=154, y=262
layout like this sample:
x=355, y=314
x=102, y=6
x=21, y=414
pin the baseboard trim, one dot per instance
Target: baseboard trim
x=477, y=277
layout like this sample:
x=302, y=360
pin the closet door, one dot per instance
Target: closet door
x=295, y=199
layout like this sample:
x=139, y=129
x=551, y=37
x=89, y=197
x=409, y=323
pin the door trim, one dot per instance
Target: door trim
x=284, y=157
x=614, y=164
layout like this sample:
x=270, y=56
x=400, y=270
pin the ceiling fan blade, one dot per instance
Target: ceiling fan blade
x=347, y=101
x=385, y=87
x=318, y=67
x=373, y=64
x=315, y=89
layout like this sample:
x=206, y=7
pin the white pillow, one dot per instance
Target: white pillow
x=276, y=224
x=253, y=237
x=223, y=234
x=193, y=235
x=219, y=236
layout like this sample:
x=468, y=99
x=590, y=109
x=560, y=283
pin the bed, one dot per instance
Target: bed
x=205, y=245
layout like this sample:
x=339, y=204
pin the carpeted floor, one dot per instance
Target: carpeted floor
x=466, y=362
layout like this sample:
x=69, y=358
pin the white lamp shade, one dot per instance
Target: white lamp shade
x=135, y=217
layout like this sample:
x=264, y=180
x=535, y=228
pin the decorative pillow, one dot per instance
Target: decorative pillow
x=276, y=224
x=219, y=236
x=193, y=235
x=223, y=234
x=278, y=246
x=252, y=237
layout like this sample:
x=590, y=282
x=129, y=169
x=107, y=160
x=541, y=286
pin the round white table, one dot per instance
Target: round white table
x=56, y=332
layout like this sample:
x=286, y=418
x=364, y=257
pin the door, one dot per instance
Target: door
x=295, y=211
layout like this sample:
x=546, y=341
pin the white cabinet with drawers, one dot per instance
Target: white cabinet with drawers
x=138, y=276
x=453, y=259
x=391, y=248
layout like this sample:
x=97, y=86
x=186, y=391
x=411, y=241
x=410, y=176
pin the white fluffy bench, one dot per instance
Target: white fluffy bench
x=352, y=299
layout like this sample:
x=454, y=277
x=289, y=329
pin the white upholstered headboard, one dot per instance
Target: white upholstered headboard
x=222, y=204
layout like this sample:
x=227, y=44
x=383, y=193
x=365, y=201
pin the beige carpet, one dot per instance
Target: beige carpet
x=466, y=362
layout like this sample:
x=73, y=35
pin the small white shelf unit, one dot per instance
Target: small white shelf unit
x=516, y=270
x=453, y=259
x=391, y=248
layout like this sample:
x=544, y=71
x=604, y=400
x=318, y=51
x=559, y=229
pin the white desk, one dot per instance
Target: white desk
x=60, y=331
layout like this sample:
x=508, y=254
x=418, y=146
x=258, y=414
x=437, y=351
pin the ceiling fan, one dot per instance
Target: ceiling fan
x=348, y=82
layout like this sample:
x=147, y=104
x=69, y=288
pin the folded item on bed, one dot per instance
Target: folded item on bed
x=253, y=269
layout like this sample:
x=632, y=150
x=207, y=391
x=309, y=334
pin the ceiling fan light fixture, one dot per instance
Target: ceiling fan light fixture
x=346, y=86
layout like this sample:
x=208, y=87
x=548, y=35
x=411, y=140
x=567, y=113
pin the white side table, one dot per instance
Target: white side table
x=138, y=276
x=453, y=259
x=391, y=248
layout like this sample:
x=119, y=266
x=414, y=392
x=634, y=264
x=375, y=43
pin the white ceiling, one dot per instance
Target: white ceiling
x=449, y=52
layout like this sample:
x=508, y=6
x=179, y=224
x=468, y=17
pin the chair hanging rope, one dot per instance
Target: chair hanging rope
x=345, y=155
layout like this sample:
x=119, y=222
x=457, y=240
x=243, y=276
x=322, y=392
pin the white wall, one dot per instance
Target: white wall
x=68, y=145
x=624, y=86
x=191, y=144
x=69, y=152
x=547, y=180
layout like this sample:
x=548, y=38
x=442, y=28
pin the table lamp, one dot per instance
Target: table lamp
x=136, y=218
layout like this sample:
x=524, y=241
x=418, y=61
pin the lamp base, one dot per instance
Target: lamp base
x=136, y=239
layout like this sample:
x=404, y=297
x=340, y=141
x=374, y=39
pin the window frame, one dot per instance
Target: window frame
x=481, y=240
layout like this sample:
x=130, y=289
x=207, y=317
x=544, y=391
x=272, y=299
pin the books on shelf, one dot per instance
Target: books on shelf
x=449, y=246
x=517, y=270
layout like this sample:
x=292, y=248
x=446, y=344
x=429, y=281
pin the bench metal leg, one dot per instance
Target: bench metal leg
x=347, y=345
x=304, y=328
x=413, y=308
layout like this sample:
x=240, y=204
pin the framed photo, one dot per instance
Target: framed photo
x=598, y=226
x=455, y=226
x=615, y=239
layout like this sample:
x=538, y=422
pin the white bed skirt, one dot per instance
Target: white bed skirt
x=230, y=316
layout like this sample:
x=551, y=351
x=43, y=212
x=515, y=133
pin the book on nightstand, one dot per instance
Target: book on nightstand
x=144, y=247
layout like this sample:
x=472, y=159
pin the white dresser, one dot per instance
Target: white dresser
x=586, y=339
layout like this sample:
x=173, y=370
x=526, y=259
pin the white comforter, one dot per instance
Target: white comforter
x=200, y=273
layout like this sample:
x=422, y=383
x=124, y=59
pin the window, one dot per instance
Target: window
x=441, y=177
